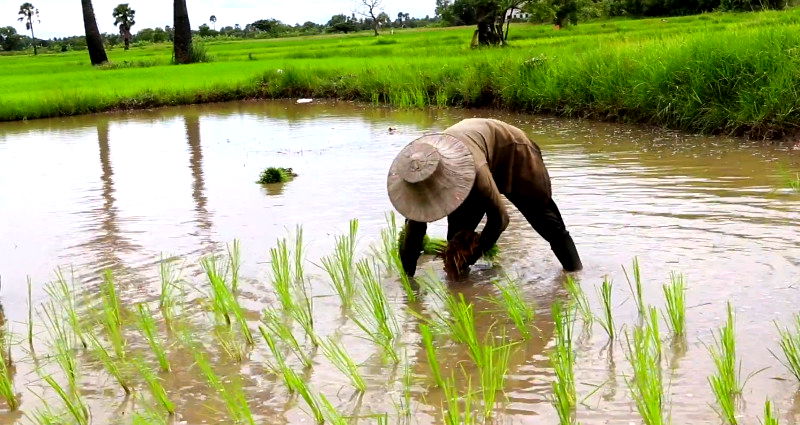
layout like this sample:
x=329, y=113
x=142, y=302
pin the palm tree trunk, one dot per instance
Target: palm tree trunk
x=182, y=44
x=94, y=43
x=33, y=37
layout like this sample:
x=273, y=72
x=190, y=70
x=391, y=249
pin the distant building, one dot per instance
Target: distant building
x=517, y=13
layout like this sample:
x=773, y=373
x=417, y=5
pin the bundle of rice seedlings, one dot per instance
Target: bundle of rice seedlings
x=276, y=175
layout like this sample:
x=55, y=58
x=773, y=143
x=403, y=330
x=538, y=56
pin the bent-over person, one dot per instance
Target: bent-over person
x=460, y=174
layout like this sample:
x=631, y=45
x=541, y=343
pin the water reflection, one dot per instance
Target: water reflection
x=203, y=218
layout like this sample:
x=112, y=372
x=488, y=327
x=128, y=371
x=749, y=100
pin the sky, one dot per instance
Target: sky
x=60, y=18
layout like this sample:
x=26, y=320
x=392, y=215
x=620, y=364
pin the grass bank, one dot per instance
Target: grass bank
x=713, y=73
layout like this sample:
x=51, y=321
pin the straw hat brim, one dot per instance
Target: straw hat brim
x=444, y=190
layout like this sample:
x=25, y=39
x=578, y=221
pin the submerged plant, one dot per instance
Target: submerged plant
x=512, y=302
x=636, y=286
x=373, y=314
x=148, y=326
x=646, y=385
x=607, y=319
x=675, y=296
x=725, y=383
x=562, y=359
x=790, y=347
x=579, y=298
x=340, y=266
x=338, y=356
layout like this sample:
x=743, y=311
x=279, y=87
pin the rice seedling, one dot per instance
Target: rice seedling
x=45, y=416
x=275, y=175
x=340, y=266
x=791, y=181
x=458, y=408
x=231, y=394
x=493, y=371
x=292, y=292
x=373, y=314
x=646, y=384
x=156, y=389
x=279, y=365
x=330, y=414
x=113, y=366
x=578, y=297
x=230, y=344
x=511, y=301
x=389, y=255
x=7, y=391
x=224, y=303
x=460, y=324
x=62, y=343
x=73, y=402
x=636, y=286
x=790, y=347
x=235, y=263
x=339, y=357
x=30, y=316
x=725, y=383
x=562, y=359
x=430, y=352
x=170, y=290
x=147, y=324
x=607, y=319
x=408, y=381
x=296, y=384
x=63, y=293
x=299, y=255
x=770, y=418
x=112, y=317
x=675, y=296
x=275, y=325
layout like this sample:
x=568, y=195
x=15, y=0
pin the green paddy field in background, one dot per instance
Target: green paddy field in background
x=733, y=73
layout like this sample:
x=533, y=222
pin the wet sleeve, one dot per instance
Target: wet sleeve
x=410, y=245
x=496, y=215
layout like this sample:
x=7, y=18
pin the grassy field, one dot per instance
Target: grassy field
x=713, y=73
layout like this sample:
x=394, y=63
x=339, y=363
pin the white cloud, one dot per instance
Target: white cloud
x=61, y=18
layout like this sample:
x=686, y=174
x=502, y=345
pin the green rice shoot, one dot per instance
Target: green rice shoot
x=231, y=393
x=562, y=359
x=147, y=324
x=114, y=367
x=171, y=290
x=390, y=255
x=607, y=318
x=72, y=401
x=725, y=382
x=790, y=347
x=112, y=315
x=273, y=323
x=7, y=391
x=770, y=418
x=235, y=263
x=63, y=293
x=675, y=297
x=338, y=356
x=510, y=299
x=493, y=372
x=156, y=389
x=636, y=286
x=578, y=296
x=646, y=383
x=431, y=353
x=372, y=312
x=272, y=175
x=340, y=266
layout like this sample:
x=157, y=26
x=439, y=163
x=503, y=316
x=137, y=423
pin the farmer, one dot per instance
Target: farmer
x=461, y=173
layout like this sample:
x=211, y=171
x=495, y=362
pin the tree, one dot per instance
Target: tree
x=489, y=15
x=27, y=12
x=10, y=40
x=341, y=23
x=383, y=19
x=123, y=16
x=94, y=42
x=372, y=7
x=213, y=20
x=182, y=44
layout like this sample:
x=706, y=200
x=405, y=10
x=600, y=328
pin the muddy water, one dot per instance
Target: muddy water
x=119, y=190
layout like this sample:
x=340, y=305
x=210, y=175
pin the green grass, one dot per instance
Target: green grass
x=790, y=347
x=675, y=296
x=646, y=383
x=340, y=266
x=562, y=359
x=715, y=72
x=725, y=382
x=607, y=318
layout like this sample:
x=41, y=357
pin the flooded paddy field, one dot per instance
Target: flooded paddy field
x=130, y=192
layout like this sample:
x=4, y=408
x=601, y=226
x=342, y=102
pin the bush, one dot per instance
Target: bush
x=276, y=175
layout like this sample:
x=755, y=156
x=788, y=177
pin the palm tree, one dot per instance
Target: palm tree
x=213, y=20
x=123, y=16
x=94, y=43
x=182, y=40
x=27, y=12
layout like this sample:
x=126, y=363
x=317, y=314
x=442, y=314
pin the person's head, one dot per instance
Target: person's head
x=431, y=177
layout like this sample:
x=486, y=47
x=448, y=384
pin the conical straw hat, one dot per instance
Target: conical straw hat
x=431, y=177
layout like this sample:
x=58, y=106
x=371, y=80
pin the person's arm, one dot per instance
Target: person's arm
x=410, y=245
x=496, y=215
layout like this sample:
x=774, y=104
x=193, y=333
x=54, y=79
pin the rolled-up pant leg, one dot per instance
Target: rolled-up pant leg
x=544, y=217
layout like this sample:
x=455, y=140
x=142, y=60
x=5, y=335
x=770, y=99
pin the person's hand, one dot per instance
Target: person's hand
x=462, y=251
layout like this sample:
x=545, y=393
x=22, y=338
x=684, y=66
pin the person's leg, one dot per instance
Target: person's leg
x=545, y=218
